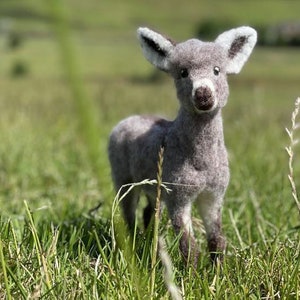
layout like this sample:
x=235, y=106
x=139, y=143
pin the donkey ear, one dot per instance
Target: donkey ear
x=238, y=43
x=156, y=47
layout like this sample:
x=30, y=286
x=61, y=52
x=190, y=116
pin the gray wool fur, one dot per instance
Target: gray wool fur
x=195, y=158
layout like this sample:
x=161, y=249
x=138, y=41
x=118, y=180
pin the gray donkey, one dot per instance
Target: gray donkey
x=195, y=159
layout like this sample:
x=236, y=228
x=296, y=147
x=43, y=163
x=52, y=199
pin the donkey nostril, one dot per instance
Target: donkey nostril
x=203, y=94
x=203, y=98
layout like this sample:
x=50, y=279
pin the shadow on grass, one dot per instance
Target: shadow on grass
x=85, y=234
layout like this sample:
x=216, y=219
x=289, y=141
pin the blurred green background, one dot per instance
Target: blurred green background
x=43, y=156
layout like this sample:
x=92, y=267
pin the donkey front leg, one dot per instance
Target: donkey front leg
x=210, y=209
x=182, y=223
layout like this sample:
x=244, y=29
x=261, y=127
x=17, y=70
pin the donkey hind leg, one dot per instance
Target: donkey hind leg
x=211, y=213
x=182, y=223
x=129, y=205
x=148, y=213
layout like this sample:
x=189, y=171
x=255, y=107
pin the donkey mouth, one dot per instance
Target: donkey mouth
x=204, y=105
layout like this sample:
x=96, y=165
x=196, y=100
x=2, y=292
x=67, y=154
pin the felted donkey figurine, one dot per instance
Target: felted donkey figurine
x=195, y=158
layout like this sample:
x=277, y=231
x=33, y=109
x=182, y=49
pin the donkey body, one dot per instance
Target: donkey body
x=195, y=158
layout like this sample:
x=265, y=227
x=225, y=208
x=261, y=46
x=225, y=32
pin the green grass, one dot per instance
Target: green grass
x=51, y=246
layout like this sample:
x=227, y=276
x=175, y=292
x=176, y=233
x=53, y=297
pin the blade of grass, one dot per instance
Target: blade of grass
x=86, y=111
x=3, y=264
x=13, y=274
x=242, y=244
x=107, y=263
x=17, y=282
x=39, y=250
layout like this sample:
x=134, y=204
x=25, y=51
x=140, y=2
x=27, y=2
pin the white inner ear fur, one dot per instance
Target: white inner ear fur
x=226, y=39
x=155, y=57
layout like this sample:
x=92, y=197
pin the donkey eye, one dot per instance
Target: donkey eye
x=216, y=71
x=184, y=73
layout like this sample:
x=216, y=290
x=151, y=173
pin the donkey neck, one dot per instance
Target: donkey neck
x=198, y=130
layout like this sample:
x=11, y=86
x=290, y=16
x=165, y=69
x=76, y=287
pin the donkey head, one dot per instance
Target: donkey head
x=199, y=68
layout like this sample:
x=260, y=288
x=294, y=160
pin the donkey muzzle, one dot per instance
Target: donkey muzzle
x=204, y=95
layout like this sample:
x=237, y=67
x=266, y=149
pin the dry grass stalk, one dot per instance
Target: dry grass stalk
x=290, y=151
x=156, y=218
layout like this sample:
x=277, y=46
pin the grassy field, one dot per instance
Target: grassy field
x=54, y=170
